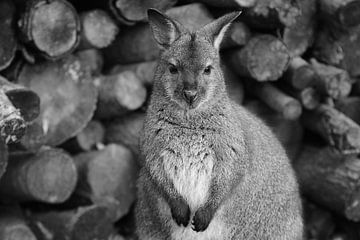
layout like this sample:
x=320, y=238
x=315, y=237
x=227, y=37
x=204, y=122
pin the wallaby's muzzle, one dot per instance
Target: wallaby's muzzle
x=190, y=96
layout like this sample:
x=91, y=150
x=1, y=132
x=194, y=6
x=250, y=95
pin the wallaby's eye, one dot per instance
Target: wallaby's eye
x=173, y=69
x=207, y=70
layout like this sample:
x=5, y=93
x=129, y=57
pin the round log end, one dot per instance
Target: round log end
x=15, y=232
x=310, y=98
x=292, y=110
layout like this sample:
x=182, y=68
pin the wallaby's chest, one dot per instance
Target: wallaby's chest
x=188, y=161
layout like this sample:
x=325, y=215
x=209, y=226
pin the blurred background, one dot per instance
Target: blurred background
x=76, y=76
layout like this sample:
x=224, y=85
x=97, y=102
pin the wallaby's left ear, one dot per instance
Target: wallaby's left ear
x=217, y=29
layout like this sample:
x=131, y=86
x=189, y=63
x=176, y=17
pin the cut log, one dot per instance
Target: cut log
x=234, y=85
x=333, y=82
x=13, y=225
x=237, y=35
x=83, y=223
x=12, y=124
x=50, y=27
x=300, y=35
x=3, y=157
x=289, y=132
x=98, y=29
x=8, y=41
x=309, y=98
x=342, y=133
x=92, y=59
x=119, y=94
x=338, y=49
x=108, y=174
x=88, y=139
x=136, y=44
x=131, y=11
x=264, y=58
x=272, y=14
x=340, y=13
x=126, y=131
x=350, y=107
x=24, y=99
x=330, y=180
x=287, y=106
x=300, y=74
x=47, y=176
x=144, y=71
x=68, y=97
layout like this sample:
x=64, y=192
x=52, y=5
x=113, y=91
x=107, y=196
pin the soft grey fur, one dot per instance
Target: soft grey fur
x=209, y=165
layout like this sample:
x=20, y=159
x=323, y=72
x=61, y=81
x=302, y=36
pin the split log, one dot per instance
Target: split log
x=136, y=44
x=8, y=41
x=47, y=176
x=350, y=107
x=144, y=71
x=300, y=74
x=287, y=106
x=119, y=94
x=3, y=157
x=92, y=59
x=83, y=223
x=341, y=132
x=98, y=29
x=68, y=97
x=340, y=13
x=13, y=225
x=300, y=35
x=108, y=175
x=330, y=180
x=88, y=139
x=264, y=58
x=126, y=131
x=338, y=49
x=333, y=82
x=234, y=85
x=50, y=27
x=289, y=132
x=12, y=125
x=237, y=35
x=24, y=99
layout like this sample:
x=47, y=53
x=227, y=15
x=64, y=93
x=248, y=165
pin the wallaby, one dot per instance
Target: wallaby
x=210, y=169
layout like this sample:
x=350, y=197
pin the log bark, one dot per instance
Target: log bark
x=92, y=59
x=300, y=74
x=333, y=82
x=88, y=139
x=108, y=175
x=350, y=107
x=24, y=99
x=68, y=97
x=98, y=29
x=287, y=106
x=300, y=35
x=47, y=176
x=126, y=131
x=341, y=132
x=340, y=13
x=13, y=225
x=3, y=157
x=237, y=35
x=8, y=41
x=83, y=223
x=51, y=28
x=264, y=58
x=12, y=124
x=131, y=11
x=119, y=94
x=338, y=49
x=330, y=180
x=136, y=44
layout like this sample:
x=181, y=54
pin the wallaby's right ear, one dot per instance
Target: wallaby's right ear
x=165, y=30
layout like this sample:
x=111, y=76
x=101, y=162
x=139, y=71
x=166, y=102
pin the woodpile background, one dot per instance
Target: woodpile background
x=75, y=80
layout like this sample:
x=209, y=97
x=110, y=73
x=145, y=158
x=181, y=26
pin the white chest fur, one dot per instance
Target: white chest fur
x=190, y=169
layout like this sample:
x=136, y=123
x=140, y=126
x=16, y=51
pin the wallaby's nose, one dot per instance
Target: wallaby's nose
x=190, y=95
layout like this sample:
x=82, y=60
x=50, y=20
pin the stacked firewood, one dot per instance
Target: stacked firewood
x=75, y=77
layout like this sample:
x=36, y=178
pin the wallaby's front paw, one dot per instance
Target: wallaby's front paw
x=180, y=212
x=202, y=219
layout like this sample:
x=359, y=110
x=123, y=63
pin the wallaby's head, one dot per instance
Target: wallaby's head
x=189, y=68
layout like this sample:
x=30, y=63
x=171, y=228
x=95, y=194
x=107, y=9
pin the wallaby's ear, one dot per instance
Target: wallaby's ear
x=165, y=30
x=217, y=29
